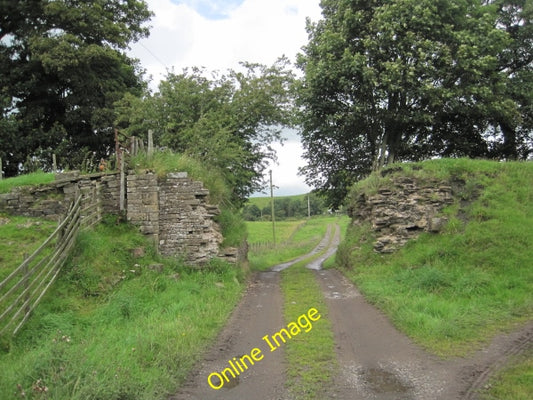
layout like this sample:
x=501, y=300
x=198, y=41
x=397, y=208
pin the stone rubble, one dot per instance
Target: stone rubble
x=402, y=211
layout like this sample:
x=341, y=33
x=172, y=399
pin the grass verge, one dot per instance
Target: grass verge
x=310, y=356
x=120, y=323
x=514, y=382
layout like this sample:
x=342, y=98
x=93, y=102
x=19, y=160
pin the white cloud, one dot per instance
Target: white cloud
x=285, y=173
x=254, y=30
x=212, y=9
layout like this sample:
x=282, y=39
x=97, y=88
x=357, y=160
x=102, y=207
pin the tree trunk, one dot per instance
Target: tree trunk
x=508, y=149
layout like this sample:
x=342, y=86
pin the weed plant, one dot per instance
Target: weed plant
x=112, y=327
x=456, y=289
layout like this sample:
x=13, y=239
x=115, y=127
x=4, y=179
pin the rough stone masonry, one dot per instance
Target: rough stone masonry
x=174, y=211
x=402, y=211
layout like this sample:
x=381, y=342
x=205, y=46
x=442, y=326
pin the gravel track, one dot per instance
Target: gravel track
x=377, y=362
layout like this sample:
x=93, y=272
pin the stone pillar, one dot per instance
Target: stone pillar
x=143, y=203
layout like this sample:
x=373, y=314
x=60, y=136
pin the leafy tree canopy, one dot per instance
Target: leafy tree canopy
x=228, y=121
x=397, y=80
x=62, y=66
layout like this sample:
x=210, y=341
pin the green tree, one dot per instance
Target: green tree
x=512, y=119
x=251, y=212
x=227, y=121
x=407, y=80
x=62, y=66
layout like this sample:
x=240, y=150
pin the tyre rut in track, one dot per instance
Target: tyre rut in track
x=260, y=312
x=377, y=362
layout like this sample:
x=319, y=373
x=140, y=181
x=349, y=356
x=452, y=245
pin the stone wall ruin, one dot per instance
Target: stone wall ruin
x=173, y=210
x=402, y=211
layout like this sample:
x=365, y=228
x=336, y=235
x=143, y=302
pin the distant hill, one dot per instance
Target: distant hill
x=298, y=206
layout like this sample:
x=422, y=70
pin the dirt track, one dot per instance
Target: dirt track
x=377, y=362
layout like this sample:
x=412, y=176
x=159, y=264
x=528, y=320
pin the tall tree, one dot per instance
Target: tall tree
x=62, y=66
x=407, y=80
x=228, y=121
x=512, y=107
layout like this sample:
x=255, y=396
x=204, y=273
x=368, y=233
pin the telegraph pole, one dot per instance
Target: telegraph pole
x=272, y=207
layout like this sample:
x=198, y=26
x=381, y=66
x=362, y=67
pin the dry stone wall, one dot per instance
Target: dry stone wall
x=51, y=201
x=402, y=211
x=174, y=210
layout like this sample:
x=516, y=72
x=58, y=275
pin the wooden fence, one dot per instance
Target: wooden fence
x=22, y=290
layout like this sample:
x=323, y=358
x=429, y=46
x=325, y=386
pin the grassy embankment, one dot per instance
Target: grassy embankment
x=114, y=327
x=310, y=355
x=452, y=291
x=35, y=178
x=20, y=237
x=111, y=327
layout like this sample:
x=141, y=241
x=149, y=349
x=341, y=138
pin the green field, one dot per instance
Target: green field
x=295, y=239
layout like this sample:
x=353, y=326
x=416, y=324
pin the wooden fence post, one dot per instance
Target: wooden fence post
x=54, y=163
x=97, y=193
x=133, y=145
x=1, y=170
x=150, y=143
x=122, y=183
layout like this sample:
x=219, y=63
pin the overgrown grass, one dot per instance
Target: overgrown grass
x=453, y=290
x=513, y=383
x=20, y=237
x=300, y=237
x=35, y=178
x=163, y=162
x=112, y=327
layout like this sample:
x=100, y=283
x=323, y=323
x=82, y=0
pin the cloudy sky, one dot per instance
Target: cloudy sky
x=217, y=35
